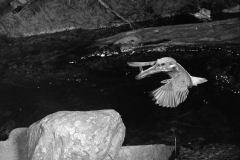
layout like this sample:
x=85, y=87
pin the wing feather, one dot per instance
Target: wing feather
x=169, y=96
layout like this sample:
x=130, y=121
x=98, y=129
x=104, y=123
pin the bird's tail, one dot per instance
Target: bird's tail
x=197, y=80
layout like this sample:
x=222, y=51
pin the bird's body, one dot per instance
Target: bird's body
x=175, y=90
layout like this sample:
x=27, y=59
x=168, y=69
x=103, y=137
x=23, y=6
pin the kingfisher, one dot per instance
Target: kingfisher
x=175, y=90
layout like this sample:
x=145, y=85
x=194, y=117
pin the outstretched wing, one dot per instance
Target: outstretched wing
x=170, y=95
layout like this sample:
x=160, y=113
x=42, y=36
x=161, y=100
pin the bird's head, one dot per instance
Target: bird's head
x=161, y=65
x=166, y=64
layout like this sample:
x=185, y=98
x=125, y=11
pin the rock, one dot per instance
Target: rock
x=15, y=148
x=67, y=135
x=77, y=135
x=145, y=152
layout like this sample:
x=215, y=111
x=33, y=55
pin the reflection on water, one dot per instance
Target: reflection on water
x=106, y=82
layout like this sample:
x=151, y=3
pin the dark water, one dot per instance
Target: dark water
x=105, y=81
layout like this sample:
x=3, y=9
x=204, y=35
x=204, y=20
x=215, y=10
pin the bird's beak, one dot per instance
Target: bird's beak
x=141, y=64
x=156, y=68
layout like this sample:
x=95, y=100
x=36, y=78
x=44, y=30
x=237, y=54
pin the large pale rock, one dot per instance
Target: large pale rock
x=82, y=135
x=77, y=135
x=144, y=152
x=15, y=148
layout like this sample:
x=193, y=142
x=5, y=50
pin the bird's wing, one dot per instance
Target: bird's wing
x=169, y=95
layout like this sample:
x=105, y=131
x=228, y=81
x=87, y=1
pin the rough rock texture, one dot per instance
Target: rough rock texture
x=47, y=16
x=147, y=152
x=67, y=135
x=15, y=148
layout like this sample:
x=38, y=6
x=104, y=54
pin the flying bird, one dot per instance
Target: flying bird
x=175, y=90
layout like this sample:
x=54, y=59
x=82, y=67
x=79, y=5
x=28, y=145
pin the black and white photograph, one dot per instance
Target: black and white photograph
x=119, y=80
